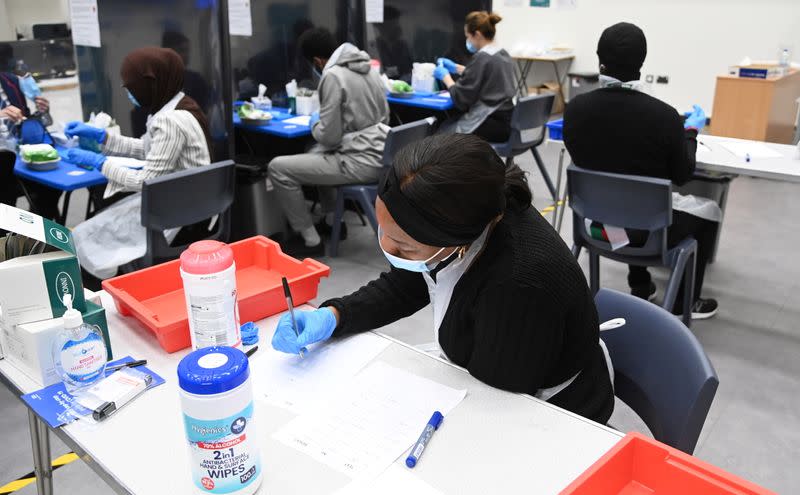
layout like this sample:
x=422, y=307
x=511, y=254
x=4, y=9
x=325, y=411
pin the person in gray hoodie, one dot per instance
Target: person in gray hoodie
x=350, y=131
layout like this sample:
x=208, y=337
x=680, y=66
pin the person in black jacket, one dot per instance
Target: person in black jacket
x=511, y=304
x=621, y=130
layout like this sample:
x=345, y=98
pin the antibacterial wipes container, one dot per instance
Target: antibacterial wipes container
x=217, y=403
x=209, y=282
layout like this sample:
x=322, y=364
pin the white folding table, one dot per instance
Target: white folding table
x=493, y=442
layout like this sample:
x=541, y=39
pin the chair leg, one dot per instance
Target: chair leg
x=545, y=175
x=594, y=272
x=368, y=205
x=336, y=231
x=688, y=288
x=360, y=212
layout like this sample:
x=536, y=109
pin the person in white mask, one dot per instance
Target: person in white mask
x=510, y=303
x=483, y=90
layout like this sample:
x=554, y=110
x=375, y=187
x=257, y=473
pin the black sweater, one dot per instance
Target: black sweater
x=624, y=131
x=521, y=318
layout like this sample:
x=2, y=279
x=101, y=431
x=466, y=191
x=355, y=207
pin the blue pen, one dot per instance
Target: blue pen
x=422, y=442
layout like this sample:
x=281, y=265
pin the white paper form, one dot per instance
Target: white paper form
x=754, y=150
x=299, y=120
x=374, y=10
x=371, y=422
x=240, y=20
x=297, y=384
x=85, y=24
x=396, y=480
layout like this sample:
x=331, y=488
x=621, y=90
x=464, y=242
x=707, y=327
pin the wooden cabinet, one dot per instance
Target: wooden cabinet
x=758, y=109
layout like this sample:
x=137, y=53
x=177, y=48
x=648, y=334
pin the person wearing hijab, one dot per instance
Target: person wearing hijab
x=620, y=129
x=177, y=138
x=510, y=303
x=484, y=92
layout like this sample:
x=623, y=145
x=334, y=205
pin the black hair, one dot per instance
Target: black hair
x=622, y=49
x=317, y=42
x=460, y=180
x=173, y=39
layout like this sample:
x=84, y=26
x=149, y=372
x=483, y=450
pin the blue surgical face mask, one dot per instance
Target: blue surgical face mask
x=29, y=87
x=470, y=47
x=419, y=266
x=132, y=98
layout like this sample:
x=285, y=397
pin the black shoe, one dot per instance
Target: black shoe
x=704, y=309
x=325, y=230
x=646, y=293
x=296, y=248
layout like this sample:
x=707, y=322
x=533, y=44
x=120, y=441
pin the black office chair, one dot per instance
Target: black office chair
x=527, y=133
x=183, y=199
x=364, y=194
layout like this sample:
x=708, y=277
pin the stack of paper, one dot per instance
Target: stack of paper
x=298, y=384
x=371, y=422
x=752, y=150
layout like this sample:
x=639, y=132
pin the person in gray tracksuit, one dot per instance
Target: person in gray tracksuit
x=350, y=131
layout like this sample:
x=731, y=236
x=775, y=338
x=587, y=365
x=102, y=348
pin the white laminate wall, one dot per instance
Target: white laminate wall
x=691, y=41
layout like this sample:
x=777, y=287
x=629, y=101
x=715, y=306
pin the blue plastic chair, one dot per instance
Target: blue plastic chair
x=660, y=369
x=185, y=198
x=365, y=194
x=530, y=116
x=632, y=202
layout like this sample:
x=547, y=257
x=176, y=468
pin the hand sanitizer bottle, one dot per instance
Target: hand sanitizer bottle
x=79, y=353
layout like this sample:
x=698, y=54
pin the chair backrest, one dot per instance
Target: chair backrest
x=530, y=115
x=185, y=198
x=7, y=161
x=401, y=136
x=661, y=370
x=628, y=201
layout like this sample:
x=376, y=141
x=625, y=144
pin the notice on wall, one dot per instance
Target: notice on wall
x=540, y=3
x=374, y=10
x=85, y=23
x=240, y=20
x=514, y=3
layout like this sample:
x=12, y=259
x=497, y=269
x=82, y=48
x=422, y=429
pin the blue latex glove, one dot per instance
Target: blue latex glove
x=85, y=131
x=448, y=64
x=314, y=119
x=249, y=333
x=695, y=119
x=314, y=326
x=88, y=158
x=440, y=72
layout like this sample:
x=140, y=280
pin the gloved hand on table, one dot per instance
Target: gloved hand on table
x=85, y=131
x=448, y=64
x=314, y=119
x=83, y=157
x=440, y=72
x=696, y=119
x=314, y=326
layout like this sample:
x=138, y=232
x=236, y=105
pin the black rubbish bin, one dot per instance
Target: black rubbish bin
x=255, y=209
x=582, y=82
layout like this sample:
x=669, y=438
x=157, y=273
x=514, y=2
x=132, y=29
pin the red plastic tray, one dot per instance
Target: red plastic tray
x=155, y=297
x=638, y=465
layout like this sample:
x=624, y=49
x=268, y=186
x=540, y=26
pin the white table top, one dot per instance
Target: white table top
x=495, y=441
x=712, y=156
x=546, y=57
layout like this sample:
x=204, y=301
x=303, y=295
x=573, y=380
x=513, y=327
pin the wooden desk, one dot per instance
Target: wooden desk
x=756, y=109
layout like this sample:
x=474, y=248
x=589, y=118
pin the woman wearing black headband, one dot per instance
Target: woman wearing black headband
x=511, y=304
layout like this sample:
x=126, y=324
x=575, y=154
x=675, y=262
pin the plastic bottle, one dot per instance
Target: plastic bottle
x=784, y=60
x=209, y=282
x=79, y=353
x=7, y=140
x=217, y=403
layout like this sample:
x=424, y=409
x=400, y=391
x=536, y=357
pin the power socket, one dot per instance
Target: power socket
x=648, y=78
x=662, y=80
